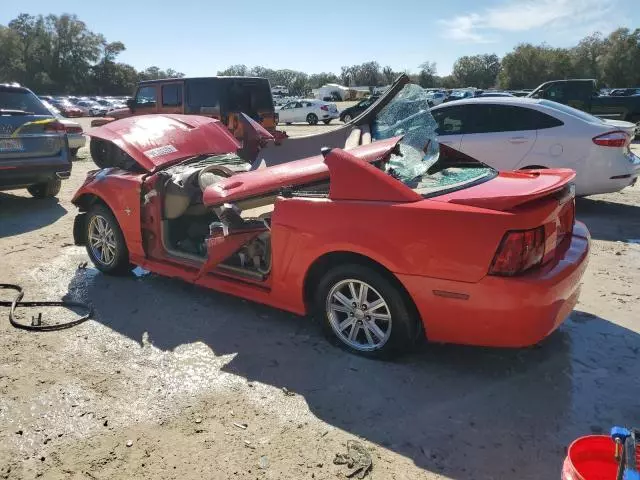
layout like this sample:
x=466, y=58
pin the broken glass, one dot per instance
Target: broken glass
x=408, y=115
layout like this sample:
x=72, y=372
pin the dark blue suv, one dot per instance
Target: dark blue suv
x=34, y=151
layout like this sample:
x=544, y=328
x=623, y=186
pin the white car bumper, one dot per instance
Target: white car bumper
x=76, y=140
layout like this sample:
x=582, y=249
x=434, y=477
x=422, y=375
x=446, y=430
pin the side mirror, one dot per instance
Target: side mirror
x=131, y=103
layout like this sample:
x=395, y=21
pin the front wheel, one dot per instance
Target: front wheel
x=365, y=312
x=347, y=118
x=105, y=242
x=45, y=190
x=312, y=119
x=326, y=122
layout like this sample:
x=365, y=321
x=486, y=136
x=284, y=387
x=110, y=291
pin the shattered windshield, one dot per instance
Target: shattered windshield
x=416, y=166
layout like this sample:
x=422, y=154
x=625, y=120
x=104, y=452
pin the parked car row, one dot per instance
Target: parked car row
x=71, y=106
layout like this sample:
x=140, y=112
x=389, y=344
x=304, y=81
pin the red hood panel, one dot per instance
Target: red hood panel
x=298, y=172
x=510, y=189
x=157, y=140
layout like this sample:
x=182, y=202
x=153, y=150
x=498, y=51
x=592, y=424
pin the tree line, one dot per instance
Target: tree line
x=60, y=55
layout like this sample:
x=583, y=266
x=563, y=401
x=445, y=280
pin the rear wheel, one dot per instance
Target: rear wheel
x=45, y=190
x=312, y=119
x=74, y=151
x=326, y=122
x=105, y=242
x=365, y=312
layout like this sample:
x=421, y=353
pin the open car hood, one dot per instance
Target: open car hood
x=270, y=180
x=156, y=141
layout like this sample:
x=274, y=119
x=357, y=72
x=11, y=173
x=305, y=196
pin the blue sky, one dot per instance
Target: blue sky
x=202, y=37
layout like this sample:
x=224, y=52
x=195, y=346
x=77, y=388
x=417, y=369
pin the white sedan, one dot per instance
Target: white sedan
x=310, y=111
x=511, y=133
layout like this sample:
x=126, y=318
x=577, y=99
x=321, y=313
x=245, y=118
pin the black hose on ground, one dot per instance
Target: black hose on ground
x=36, y=322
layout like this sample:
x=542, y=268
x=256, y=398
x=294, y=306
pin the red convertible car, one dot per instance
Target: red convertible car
x=373, y=227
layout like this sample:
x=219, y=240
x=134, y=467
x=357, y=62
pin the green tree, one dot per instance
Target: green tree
x=478, y=71
x=427, y=76
x=620, y=60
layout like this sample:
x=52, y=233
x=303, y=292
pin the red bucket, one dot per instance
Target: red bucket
x=591, y=458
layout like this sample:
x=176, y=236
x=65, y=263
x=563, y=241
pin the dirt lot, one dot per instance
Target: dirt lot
x=171, y=381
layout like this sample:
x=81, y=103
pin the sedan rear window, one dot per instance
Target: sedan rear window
x=587, y=117
x=21, y=100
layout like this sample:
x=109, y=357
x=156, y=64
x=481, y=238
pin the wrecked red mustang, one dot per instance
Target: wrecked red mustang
x=374, y=227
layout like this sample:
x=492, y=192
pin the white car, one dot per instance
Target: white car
x=75, y=134
x=310, y=111
x=436, y=98
x=511, y=133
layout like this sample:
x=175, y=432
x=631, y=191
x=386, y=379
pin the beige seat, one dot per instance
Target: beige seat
x=358, y=136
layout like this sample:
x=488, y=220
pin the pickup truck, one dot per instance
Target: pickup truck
x=582, y=94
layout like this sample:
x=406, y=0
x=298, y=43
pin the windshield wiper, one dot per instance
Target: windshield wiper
x=4, y=111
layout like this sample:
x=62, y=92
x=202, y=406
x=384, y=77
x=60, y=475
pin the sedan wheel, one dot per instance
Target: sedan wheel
x=347, y=118
x=366, y=311
x=358, y=314
x=312, y=119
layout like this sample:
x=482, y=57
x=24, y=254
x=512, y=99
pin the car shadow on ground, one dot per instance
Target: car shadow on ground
x=23, y=214
x=459, y=411
x=609, y=220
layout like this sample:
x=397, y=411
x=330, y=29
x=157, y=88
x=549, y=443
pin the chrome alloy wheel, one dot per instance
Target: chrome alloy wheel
x=102, y=240
x=358, y=315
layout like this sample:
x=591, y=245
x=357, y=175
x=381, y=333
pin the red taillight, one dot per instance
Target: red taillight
x=324, y=107
x=74, y=129
x=54, y=127
x=612, y=139
x=519, y=251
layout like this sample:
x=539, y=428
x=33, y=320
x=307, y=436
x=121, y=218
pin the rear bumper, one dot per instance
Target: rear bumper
x=501, y=311
x=76, y=140
x=24, y=172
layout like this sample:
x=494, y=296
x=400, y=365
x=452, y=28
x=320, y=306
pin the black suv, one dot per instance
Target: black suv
x=34, y=151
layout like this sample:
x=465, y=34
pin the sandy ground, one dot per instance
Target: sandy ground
x=171, y=381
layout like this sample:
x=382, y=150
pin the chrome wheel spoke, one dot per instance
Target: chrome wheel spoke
x=380, y=316
x=367, y=334
x=364, y=289
x=340, y=308
x=342, y=299
x=375, y=329
x=346, y=323
x=375, y=305
x=352, y=290
x=353, y=334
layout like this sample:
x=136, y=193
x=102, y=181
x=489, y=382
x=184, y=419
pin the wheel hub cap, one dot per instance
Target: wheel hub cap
x=102, y=240
x=359, y=315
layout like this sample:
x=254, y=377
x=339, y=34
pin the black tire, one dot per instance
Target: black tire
x=403, y=328
x=119, y=264
x=45, y=190
x=74, y=152
x=288, y=123
x=312, y=119
x=347, y=118
x=326, y=122
x=100, y=151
